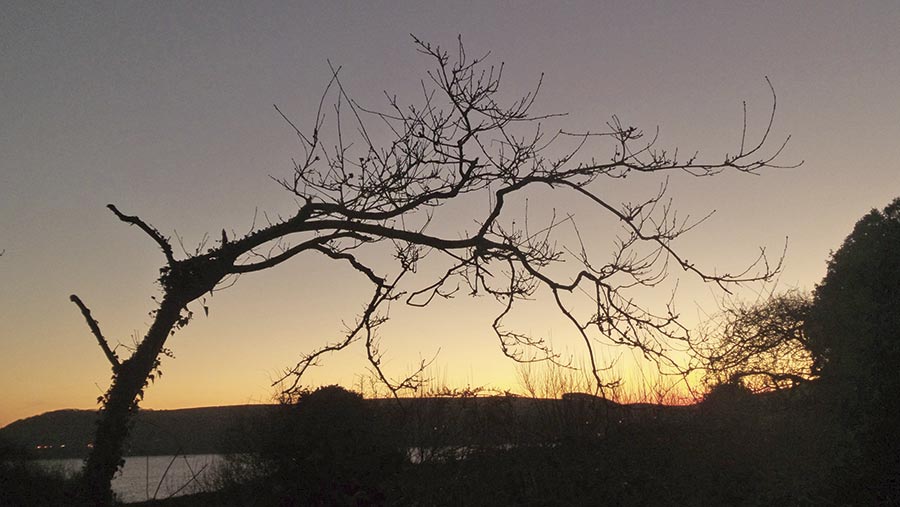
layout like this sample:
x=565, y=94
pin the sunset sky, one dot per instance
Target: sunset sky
x=165, y=109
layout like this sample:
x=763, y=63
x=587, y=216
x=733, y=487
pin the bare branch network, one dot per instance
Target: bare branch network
x=461, y=141
x=762, y=346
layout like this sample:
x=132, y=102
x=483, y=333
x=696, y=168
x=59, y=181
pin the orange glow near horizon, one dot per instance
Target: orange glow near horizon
x=638, y=385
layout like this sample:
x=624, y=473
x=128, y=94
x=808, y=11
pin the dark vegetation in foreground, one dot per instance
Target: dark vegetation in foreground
x=25, y=482
x=331, y=447
x=734, y=448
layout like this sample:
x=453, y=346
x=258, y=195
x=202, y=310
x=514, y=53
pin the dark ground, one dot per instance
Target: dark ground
x=335, y=449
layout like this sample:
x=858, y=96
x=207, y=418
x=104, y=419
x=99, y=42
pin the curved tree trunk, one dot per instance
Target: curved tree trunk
x=121, y=402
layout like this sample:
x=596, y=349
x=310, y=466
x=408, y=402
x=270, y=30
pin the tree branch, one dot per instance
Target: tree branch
x=153, y=233
x=314, y=243
x=95, y=328
x=362, y=268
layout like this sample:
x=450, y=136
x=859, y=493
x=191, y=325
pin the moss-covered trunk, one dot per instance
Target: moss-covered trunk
x=121, y=402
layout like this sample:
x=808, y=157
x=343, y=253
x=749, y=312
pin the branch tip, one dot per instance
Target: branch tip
x=95, y=329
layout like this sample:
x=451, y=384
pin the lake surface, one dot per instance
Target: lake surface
x=147, y=477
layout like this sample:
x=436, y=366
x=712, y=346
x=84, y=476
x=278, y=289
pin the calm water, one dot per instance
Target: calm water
x=147, y=477
x=142, y=475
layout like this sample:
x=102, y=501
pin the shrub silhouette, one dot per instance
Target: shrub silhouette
x=727, y=395
x=328, y=448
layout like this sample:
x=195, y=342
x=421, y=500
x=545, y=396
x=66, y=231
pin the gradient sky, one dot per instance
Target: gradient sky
x=165, y=109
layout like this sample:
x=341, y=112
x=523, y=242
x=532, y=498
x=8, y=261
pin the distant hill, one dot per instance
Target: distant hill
x=62, y=433
x=68, y=433
x=424, y=422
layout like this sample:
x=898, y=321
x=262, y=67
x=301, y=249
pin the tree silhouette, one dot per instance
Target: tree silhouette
x=855, y=325
x=854, y=334
x=761, y=346
x=460, y=143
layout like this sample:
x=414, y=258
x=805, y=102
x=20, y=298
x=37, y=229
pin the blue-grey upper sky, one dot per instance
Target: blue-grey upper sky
x=165, y=109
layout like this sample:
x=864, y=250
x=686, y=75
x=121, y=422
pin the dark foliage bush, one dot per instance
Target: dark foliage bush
x=25, y=483
x=326, y=448
x=854, y=333
x=735, y=448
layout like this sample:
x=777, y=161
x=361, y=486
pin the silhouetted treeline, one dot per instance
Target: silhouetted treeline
x=734, y=448
x=427, y=422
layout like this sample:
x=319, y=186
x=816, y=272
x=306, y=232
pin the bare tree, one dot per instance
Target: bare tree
x=761, y=346
x=461, y=142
